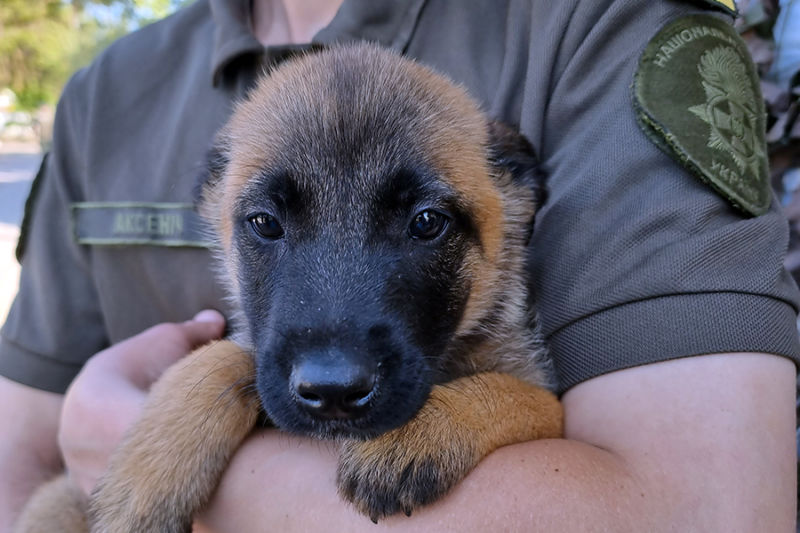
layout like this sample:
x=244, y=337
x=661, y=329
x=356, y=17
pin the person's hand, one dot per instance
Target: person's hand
x=105, y=399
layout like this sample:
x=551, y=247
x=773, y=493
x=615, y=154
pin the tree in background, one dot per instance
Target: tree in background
x=43, y=41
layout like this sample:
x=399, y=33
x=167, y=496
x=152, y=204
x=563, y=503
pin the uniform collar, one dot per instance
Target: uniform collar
x=389, y=23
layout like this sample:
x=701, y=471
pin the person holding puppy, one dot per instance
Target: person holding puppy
x=659, y=276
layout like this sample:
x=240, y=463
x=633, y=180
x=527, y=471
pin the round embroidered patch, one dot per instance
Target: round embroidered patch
x=698, y=98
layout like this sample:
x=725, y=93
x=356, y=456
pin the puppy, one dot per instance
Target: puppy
x=372, y=225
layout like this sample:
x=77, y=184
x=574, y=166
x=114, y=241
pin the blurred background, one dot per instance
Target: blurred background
x=43, y=41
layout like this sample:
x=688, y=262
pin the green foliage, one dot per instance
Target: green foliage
x=43, y=41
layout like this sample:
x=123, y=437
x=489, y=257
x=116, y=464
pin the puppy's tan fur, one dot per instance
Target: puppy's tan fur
x=204, y=406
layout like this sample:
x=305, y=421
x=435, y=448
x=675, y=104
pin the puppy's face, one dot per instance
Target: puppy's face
x=362, y=231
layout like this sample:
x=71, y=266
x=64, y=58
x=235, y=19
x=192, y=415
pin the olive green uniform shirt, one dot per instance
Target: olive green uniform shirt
x=634, y=259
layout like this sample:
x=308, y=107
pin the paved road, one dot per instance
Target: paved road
x=18, y=164
x=16, y=172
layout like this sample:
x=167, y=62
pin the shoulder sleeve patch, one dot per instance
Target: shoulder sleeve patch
x=697, y=97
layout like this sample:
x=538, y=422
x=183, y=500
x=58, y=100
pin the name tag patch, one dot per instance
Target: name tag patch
x=697, y=97
x=131, y=224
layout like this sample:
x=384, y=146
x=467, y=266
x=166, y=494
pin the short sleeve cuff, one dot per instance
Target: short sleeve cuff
x=672, y=327
x=35, y=370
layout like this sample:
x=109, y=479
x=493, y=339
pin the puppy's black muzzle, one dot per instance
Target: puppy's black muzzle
x=333, y=384
x=337, y=351
x=346, y=381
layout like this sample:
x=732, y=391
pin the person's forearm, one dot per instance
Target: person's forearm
x=20, y=475
x=28, y=450
x=518, y=488
x=699, y=444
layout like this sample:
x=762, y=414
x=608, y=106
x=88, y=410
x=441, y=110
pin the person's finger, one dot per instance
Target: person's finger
x=163, y=345
x=142, y=359
x=206, y=325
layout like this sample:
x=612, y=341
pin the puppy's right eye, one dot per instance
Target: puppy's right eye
x=266, y=226
x=428, y=224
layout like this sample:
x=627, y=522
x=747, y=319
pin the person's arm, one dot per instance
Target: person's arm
x=28, y=452
x=101, y=404
x=697, y=444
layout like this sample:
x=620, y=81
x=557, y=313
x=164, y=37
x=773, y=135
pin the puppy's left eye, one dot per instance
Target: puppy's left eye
x=266, y=226
x=428, y=225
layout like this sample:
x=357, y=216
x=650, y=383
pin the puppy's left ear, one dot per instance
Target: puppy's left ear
x=207, y=190
x=510, y=152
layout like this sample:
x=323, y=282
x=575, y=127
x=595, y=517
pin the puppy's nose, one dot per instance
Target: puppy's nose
x=333, y=387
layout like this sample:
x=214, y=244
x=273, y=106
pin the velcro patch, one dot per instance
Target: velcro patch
x=128, y=224
x=697, y=96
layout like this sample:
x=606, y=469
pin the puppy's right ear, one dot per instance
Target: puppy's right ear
x=208, y=189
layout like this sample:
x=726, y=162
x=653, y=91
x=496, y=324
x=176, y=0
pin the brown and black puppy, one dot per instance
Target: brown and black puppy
x=372, y=225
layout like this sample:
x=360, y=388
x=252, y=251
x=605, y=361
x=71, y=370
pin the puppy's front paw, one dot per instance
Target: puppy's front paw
x=127, y=516
x=405, y=468
x=461, y=423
